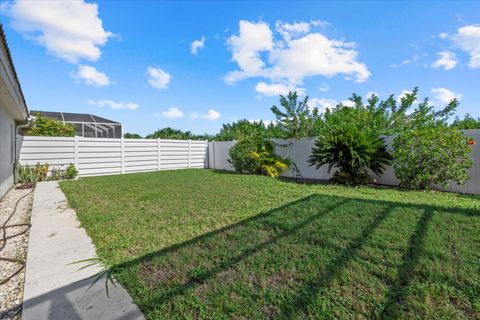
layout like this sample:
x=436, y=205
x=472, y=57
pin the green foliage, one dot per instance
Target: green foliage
x=295, y=118
x=468, y=122
x=43, y=126
x=352, y=149
x=256, y=156
x=245, y=129
x=170, y=133
x=431, y=154
x=71, y=172
x=129, y=135
x=28, y=176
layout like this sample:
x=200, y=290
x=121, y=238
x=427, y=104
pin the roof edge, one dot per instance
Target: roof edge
x=12, y=66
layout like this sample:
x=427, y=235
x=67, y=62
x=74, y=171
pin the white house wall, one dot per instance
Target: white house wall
x=6, y=164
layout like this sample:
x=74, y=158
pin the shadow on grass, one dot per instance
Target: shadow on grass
x=276, y=264
x=265, y=244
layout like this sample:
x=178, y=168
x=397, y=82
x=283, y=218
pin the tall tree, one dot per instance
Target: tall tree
x=295, y=117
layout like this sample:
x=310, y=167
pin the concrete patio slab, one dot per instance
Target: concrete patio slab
x=54, y=289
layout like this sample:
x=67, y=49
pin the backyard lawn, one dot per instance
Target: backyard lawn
x=203, y=244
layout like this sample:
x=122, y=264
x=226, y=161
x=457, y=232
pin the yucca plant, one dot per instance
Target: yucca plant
x=352, y=150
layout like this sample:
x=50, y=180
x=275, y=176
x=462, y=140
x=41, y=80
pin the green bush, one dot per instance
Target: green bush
x=43, y=126
x=256, y=156
x=352, y=150
x=431, y=154
x=71, y=172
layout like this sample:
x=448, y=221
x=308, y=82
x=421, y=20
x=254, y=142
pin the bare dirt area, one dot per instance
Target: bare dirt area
x=15, y=209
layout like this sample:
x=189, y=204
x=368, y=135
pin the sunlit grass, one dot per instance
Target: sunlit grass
x=203, y=244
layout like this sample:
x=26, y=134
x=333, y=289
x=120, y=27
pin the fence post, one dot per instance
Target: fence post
x=158, y=154
x=122, y=153
x=75, y=151
x=189, y=152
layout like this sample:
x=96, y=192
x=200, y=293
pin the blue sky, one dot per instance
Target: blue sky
x=196, y=65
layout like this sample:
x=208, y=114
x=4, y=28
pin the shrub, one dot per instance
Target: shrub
x=41, y=171
x=256, y=156
x=25, y=175
x=352, y=150
x=71, y=172
x=431, y=154
x=43, y=126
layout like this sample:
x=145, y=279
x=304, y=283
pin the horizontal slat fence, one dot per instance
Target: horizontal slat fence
x=93, y=157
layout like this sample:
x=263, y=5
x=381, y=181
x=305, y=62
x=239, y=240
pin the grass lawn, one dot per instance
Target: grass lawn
x=203, y=244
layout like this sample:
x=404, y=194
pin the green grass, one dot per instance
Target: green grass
x=201, y=244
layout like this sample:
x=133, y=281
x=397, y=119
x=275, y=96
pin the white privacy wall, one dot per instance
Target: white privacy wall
x=93, y=157
x=299, y=151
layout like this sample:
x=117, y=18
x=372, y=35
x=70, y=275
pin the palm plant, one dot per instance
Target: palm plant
x=352, y=150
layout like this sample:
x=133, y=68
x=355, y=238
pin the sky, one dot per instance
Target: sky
x=196, y=65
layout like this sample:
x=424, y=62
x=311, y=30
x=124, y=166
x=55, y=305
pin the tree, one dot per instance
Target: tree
x=170, y=133
x=129, y=135
x=43, y=126
x=468, y=122
x=297, y=120
x=428, y=151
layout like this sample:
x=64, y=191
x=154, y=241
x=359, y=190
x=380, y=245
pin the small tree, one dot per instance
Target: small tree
x=43, y=126
x=351, y=149
x=427, y=151
x=296, y=119
x=431, y=154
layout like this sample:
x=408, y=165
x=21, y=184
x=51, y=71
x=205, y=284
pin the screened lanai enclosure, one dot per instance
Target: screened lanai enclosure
x=86, y=125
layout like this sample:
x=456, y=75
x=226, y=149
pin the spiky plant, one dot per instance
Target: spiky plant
x=352, y=150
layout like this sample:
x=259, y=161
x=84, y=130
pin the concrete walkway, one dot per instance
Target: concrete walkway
x=53, y=288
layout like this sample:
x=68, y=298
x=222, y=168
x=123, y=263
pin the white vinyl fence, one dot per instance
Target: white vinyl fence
x=300, y=150
x=93, y=157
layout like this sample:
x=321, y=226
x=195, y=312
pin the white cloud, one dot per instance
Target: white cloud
x=70, y=30
x=113, y=104
x=211, y=115
x=348, y=103
x=91, y=76
x=324, y=87
x=253, y=38
x=299, y=54
x=276, y=89
x=290, y=31
x=322, y=104
x=467, y=38
x=444, y=95
x=172, y=113
x=411, y=60
x=158, y=78
x=443, y=35
x=446, y=60
x=197, y=45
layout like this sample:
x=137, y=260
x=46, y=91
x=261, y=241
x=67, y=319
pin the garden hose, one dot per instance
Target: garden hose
x=4, y=238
